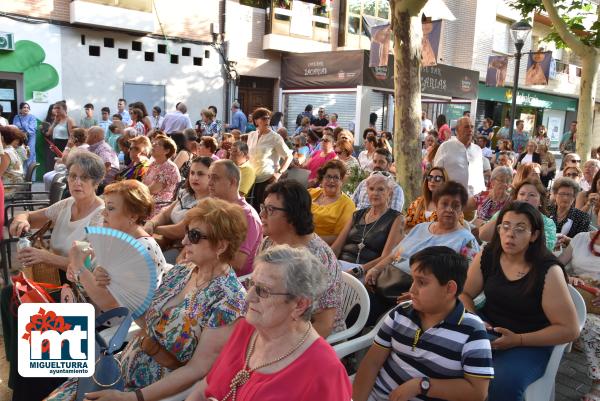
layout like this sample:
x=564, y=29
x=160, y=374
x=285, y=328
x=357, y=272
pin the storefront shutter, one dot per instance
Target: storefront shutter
x=343, y=104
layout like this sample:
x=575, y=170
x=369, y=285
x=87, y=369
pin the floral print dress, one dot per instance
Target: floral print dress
x=167, y=174
x=177, y=328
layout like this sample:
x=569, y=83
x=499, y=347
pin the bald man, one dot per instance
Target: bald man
x=100, y=147
x=462, y=159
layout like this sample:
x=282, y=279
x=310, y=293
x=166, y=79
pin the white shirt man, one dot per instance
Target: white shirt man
x=426, y=124
x=462, y=159
x=176, y=121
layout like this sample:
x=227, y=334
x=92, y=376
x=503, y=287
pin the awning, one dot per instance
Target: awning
x=527, y=98
x=348, y=69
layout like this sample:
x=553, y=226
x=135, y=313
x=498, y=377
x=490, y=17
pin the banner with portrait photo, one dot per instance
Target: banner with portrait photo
x=380, y=45
x=432, y=31
x=538, y=68
x=496, y=71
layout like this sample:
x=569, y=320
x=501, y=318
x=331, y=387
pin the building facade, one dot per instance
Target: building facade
x=213, y=52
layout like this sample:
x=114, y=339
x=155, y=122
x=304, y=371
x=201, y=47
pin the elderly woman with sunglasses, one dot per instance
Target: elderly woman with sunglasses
x=569, y=220
x=319, y=157
x=569, y=160
x=274, y=353
x=422, y=209
x=372, y=232
x=331, y=208
x=190, y=317
x=301, y=150
x=343, y=150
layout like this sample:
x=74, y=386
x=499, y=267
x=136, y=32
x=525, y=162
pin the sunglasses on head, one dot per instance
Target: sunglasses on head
x=194, y=235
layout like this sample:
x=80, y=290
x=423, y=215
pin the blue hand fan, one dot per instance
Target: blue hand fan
x=133, y=273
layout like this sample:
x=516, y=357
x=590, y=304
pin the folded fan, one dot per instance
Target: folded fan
x=133, y=273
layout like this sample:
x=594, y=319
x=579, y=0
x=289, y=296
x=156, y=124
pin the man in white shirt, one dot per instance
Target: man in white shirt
x=125, y=117
x=176, y=121
x=462, y=159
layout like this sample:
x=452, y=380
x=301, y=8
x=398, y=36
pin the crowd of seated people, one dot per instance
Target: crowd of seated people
x=252, y=264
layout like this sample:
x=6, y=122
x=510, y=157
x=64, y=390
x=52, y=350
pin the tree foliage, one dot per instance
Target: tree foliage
x=580, y=16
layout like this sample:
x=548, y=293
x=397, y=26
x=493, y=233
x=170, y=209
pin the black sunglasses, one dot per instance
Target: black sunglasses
x=194, y=235
x=435, y=178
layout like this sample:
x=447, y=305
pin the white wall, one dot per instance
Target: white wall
x=99, y=80
x=48, y=37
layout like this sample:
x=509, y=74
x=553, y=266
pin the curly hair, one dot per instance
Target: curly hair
x=333, y=165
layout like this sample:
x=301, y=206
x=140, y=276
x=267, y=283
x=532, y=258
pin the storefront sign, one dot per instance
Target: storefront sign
x=348, y=69
x=528, y=98
x=322, y=70
x=445, y=80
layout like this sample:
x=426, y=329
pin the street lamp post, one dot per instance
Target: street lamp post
x=519, y=32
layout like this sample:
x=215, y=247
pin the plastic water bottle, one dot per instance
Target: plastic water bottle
x=121, y=158
x=23, y=243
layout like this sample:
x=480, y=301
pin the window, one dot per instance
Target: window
x=162, y=49
x=377, y=12
x=123, y=53
x=109, y=42
x=94, y=51
x=501, y=37
x=137, y=46
x=138, y=5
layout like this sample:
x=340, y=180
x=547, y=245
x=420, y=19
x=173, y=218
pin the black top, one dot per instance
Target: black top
x=581, y=221
x=508, y=304
x=376, y=234
x=320, y=122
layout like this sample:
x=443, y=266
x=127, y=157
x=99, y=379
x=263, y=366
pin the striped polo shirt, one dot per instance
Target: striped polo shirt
x=455, y=347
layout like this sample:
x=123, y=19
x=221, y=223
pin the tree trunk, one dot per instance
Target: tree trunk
x=587, y=99
x=408, y=33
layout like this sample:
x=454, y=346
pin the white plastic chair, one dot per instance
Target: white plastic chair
x=543, y=388
x=353, y=293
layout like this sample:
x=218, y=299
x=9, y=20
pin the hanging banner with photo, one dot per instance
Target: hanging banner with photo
x=538, y=68
x=432, y=31
x=380, y=45
x=496, y=71
x=572, y=73
x=379, y=54
x=301, y=23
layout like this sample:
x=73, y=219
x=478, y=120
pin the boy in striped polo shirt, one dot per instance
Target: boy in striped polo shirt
x=433, y=349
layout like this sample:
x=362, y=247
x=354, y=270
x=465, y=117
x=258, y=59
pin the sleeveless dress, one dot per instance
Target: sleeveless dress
x=375, y=236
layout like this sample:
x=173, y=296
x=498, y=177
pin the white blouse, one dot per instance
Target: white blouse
x=66, y=231
x=583, y=262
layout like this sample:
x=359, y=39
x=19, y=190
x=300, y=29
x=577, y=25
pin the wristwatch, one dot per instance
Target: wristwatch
x=425, y=385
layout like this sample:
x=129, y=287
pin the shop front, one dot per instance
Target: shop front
x=343, y=83
x=534, y=108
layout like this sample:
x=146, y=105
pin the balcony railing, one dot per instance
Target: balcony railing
x=286, y=19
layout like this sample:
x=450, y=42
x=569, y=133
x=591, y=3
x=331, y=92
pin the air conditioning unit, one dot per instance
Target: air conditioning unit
x=7, y=41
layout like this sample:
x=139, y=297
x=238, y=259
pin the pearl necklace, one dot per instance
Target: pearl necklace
x=242, y=376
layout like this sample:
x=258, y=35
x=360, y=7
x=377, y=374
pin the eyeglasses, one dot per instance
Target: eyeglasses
x=261, y=291
x=337, y=152
x=575, y=160
x=265, y=118
x=270, y=209
x=435, y=178
x=332, y=177
x=194, y=235
x=565, y=194
x=516, y=230
x=454, y=206
x=83, y=178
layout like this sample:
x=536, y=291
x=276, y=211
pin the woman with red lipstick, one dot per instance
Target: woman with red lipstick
x=528, y=309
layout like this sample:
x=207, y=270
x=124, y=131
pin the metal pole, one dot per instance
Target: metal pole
x=513, y=108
